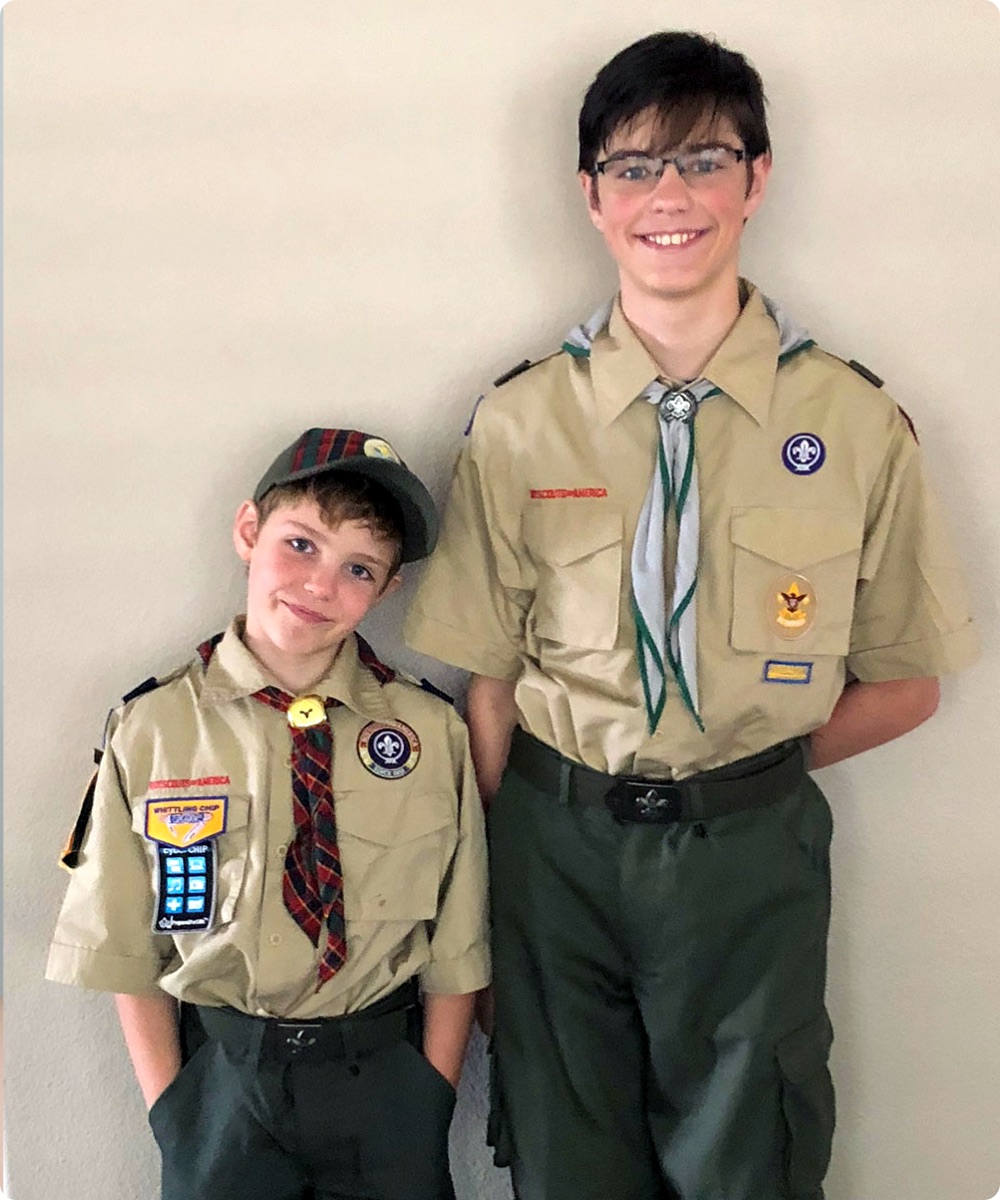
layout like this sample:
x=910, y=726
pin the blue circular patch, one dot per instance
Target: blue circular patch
x=803, y=453
x=389, y=751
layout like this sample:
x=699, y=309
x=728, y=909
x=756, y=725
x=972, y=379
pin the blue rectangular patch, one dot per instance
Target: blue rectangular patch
x=185, y=888
x=779, y=670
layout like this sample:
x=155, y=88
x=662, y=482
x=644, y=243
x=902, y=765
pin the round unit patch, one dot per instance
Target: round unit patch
x=803, y=453
x=388, y=749
x=791, y=607
x=377, y=448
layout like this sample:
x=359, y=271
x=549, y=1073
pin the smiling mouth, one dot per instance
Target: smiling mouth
x=682, y=238
x=305, y=614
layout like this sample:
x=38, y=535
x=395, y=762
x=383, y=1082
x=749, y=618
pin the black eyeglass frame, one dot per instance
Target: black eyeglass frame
x=599, y=168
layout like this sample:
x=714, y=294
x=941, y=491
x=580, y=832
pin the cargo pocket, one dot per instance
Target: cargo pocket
x=497, y=1128
x=807, y=1106
x=578, y=558
x=394, y=852
x=809, y=555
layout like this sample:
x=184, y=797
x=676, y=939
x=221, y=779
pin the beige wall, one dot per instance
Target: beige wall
x=228, y=220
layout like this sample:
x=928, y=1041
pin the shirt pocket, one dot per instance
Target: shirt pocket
x=394, y=852
x=812, y=554
x=578, y=560
x=232, y=846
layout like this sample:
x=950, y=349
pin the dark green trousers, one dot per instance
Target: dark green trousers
x=238, y=1124
x=660, y=1025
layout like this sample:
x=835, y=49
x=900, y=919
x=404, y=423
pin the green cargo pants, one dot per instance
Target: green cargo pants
x=660, y=1027
x=344, y=1109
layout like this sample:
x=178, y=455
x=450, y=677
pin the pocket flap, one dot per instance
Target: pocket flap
x=393, y=820
x=566, y=533
x=167, y=818
x=796, y=537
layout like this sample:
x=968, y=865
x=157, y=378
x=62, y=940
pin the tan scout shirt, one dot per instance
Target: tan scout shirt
x=412, y=848
x=531, y=580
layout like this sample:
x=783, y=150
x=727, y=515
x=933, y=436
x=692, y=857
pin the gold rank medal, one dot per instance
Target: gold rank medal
x=306, y=711
x=377, y=448
x=791, y=607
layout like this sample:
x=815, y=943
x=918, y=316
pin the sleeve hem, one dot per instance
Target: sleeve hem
x=102, y=972
x=458, y=976
x=932, y=656
x=460, y=649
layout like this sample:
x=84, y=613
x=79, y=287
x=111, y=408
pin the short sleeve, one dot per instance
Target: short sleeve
x=469, y=609
x=911, y=614
x=459, y=943
x=104, y=937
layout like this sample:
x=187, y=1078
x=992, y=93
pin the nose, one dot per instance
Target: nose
x=671, y=192
x=320, y=584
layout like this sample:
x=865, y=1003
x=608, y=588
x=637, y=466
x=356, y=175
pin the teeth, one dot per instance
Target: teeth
x=669, y=239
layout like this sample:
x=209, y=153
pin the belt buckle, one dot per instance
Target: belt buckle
x=644, y=802
x=295, y=1036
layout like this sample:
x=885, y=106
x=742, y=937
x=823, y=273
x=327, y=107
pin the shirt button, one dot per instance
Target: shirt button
x=281, y=850
x=275, y=939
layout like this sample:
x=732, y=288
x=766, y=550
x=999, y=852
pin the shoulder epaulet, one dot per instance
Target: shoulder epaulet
x=368, y=658
x=864, y=372
x=425, y=685
x=507, y=376
x=140, y=689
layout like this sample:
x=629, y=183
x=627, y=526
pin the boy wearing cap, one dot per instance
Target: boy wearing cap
x=679, y=538
x=285, y=838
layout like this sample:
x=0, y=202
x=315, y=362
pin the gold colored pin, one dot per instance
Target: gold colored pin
x=306, y=711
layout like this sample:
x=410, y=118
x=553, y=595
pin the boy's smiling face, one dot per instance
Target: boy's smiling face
x=308, y=586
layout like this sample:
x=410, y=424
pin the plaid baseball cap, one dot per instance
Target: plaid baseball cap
x=351, y=452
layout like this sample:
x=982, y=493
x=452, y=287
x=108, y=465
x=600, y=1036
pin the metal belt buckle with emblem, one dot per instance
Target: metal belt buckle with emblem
x=296, y=1037
x=640, y=802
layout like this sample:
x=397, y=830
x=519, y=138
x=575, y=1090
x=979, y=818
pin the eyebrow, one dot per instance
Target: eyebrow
x=684, y=148
x=319, y=534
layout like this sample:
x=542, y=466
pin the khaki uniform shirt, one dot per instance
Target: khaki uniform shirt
x=531, y=580
x=412, y=848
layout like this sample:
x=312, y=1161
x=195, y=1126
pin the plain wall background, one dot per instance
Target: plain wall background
x=226, y=221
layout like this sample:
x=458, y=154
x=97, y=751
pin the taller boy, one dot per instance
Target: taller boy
x=697, y=554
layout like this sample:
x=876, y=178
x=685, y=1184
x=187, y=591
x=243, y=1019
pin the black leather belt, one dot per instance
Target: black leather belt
x=751, y=782
x=274, y=1039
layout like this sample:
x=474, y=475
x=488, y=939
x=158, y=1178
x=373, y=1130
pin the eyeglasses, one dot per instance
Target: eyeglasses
x=634, y=173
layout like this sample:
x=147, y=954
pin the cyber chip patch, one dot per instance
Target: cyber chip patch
x=778, y=670
x=388, y=749
x=185, y=888
x=183, y=820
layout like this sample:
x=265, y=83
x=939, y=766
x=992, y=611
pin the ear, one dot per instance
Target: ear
x=588, y=184
x=246, y=528
x=760, y=172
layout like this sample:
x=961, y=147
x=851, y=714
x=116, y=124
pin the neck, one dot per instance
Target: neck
x=682, y=333
x=297, y=674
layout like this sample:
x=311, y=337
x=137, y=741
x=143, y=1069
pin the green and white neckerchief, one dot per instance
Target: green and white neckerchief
x=668, y=640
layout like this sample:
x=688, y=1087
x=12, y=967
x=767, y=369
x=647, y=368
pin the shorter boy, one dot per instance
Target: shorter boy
x=214, y=864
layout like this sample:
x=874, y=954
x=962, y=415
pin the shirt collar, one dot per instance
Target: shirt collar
x=233, y=674
x=743, y=367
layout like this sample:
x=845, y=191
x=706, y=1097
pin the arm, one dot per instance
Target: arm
x=152, y=1036
x=491, y=717
x=447, y=1024
x=868, y=714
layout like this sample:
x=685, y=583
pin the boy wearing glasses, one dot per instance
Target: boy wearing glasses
x=697, y=557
